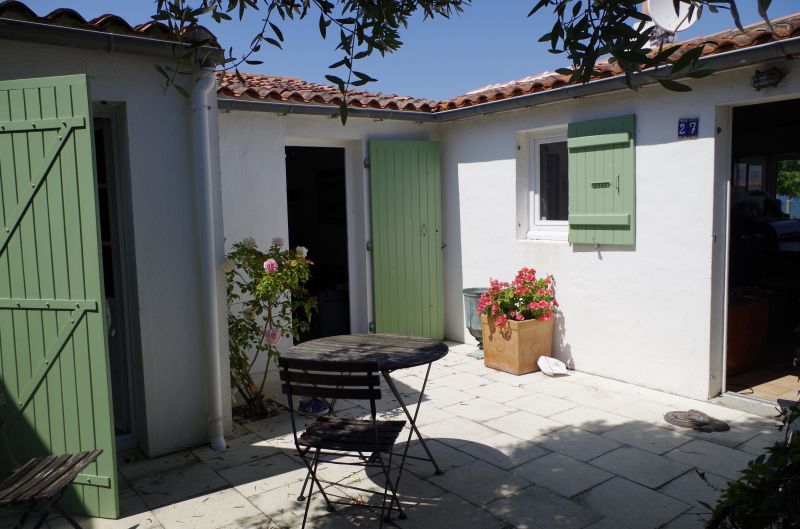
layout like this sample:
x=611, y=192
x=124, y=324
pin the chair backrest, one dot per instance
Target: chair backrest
x=332, y=380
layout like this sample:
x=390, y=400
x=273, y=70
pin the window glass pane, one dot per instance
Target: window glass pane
x=754, y=178
x=788, y=187
x=553, y=181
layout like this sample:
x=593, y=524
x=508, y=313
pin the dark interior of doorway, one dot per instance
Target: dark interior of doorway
x=315, y=182
x=764, y=259
x=120, y=360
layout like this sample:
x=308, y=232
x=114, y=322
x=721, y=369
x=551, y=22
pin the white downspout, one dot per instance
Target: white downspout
x=205, y=146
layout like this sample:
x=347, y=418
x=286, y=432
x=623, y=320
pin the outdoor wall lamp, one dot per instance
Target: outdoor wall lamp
x=767, y=78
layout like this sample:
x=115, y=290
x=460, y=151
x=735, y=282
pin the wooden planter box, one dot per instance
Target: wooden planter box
x=517, y=347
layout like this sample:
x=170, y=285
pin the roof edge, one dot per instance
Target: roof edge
x=228, y=104
x=720, y=62
x=44, y=33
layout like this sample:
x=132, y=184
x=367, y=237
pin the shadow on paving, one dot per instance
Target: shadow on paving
x=566, y=470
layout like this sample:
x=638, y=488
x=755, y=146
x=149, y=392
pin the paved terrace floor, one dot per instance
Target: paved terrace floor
x=518, y=452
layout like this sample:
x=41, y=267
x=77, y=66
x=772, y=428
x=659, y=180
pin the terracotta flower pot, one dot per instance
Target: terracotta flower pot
x=516, y=347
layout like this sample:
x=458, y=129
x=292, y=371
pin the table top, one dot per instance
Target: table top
x=390, y=351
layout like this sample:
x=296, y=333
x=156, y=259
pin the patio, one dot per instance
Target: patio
x=517, y=452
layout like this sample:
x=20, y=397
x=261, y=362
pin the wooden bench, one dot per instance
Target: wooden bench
x=41, y=482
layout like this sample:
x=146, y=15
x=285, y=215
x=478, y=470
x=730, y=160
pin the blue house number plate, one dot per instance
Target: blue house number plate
x=687, y=128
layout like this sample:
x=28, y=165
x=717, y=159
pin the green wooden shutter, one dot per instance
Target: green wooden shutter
x=602, y=181
x=407, y=238
x=53, y=353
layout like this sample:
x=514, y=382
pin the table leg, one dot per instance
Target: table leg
x=412, y=420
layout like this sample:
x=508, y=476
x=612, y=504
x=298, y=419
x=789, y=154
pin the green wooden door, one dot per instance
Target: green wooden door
x=407, y=238
x=53, y=353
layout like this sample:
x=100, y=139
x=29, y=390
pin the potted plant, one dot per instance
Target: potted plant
x=517, y=322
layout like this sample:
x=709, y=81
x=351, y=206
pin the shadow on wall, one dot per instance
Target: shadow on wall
x=452, y=258
x=562, y=350
x=599, y=249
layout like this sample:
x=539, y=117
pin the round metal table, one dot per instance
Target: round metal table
x=391, y=352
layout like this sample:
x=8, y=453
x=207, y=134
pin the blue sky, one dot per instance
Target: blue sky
x=492, y=41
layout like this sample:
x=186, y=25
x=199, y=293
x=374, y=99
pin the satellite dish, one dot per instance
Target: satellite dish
x=663, y=14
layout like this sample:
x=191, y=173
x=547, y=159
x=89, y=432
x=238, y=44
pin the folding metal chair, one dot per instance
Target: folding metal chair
x=40, y=483
x=360, y=442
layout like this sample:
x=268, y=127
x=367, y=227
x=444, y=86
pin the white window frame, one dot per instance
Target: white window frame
x=552, y=230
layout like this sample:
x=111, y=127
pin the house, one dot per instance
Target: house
x=140, y=230
x=646, y=252
x=660, y=250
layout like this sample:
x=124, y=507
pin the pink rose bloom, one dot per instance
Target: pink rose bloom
x=273, y=336
x=270, y=266
x=278, y=241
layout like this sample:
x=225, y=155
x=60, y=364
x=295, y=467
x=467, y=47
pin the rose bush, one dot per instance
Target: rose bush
x=525, y=298
x=267, y=301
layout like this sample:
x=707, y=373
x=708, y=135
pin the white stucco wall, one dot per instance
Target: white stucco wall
x=252, y=152
x=173, y=361
x=650, y=314
x=642, y=314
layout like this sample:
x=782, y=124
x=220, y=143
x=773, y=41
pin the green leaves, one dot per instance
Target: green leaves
x=587, y=32
x=266, y=294
x=364, y=27
x=592, y=31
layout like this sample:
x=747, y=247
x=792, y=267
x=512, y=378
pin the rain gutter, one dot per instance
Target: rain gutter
x=205, y=149
x=29, y=31
x=726, y=61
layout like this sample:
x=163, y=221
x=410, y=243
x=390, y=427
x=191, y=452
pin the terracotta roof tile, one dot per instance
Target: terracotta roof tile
x=277, y=88
x=291, y=89
x=729, y=40
x=65, y=17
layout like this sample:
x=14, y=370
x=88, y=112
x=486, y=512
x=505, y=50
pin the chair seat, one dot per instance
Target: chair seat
x=352, y=435
x=44, y=477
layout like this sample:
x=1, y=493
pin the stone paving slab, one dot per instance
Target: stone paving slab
x=480, y=482
x=580, y=444
x=517, y=452
x=176, y=485
x=525, y=425
x=211, y=511
x=538, y=508
x=631, y=504
x=592, y=419
x=692, y=489
x=542, y=404
x=504, y=451
x=640, y=466
x=648, y=436
x=711, y=457
x=562, y=474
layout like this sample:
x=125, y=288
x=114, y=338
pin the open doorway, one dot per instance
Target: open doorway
x=316, y=193
x=118, y=274
x=764, y=252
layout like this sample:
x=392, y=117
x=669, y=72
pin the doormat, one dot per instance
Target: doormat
x=696, y=420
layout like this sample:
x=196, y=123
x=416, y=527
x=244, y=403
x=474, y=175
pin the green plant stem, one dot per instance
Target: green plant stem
x=266, y=367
